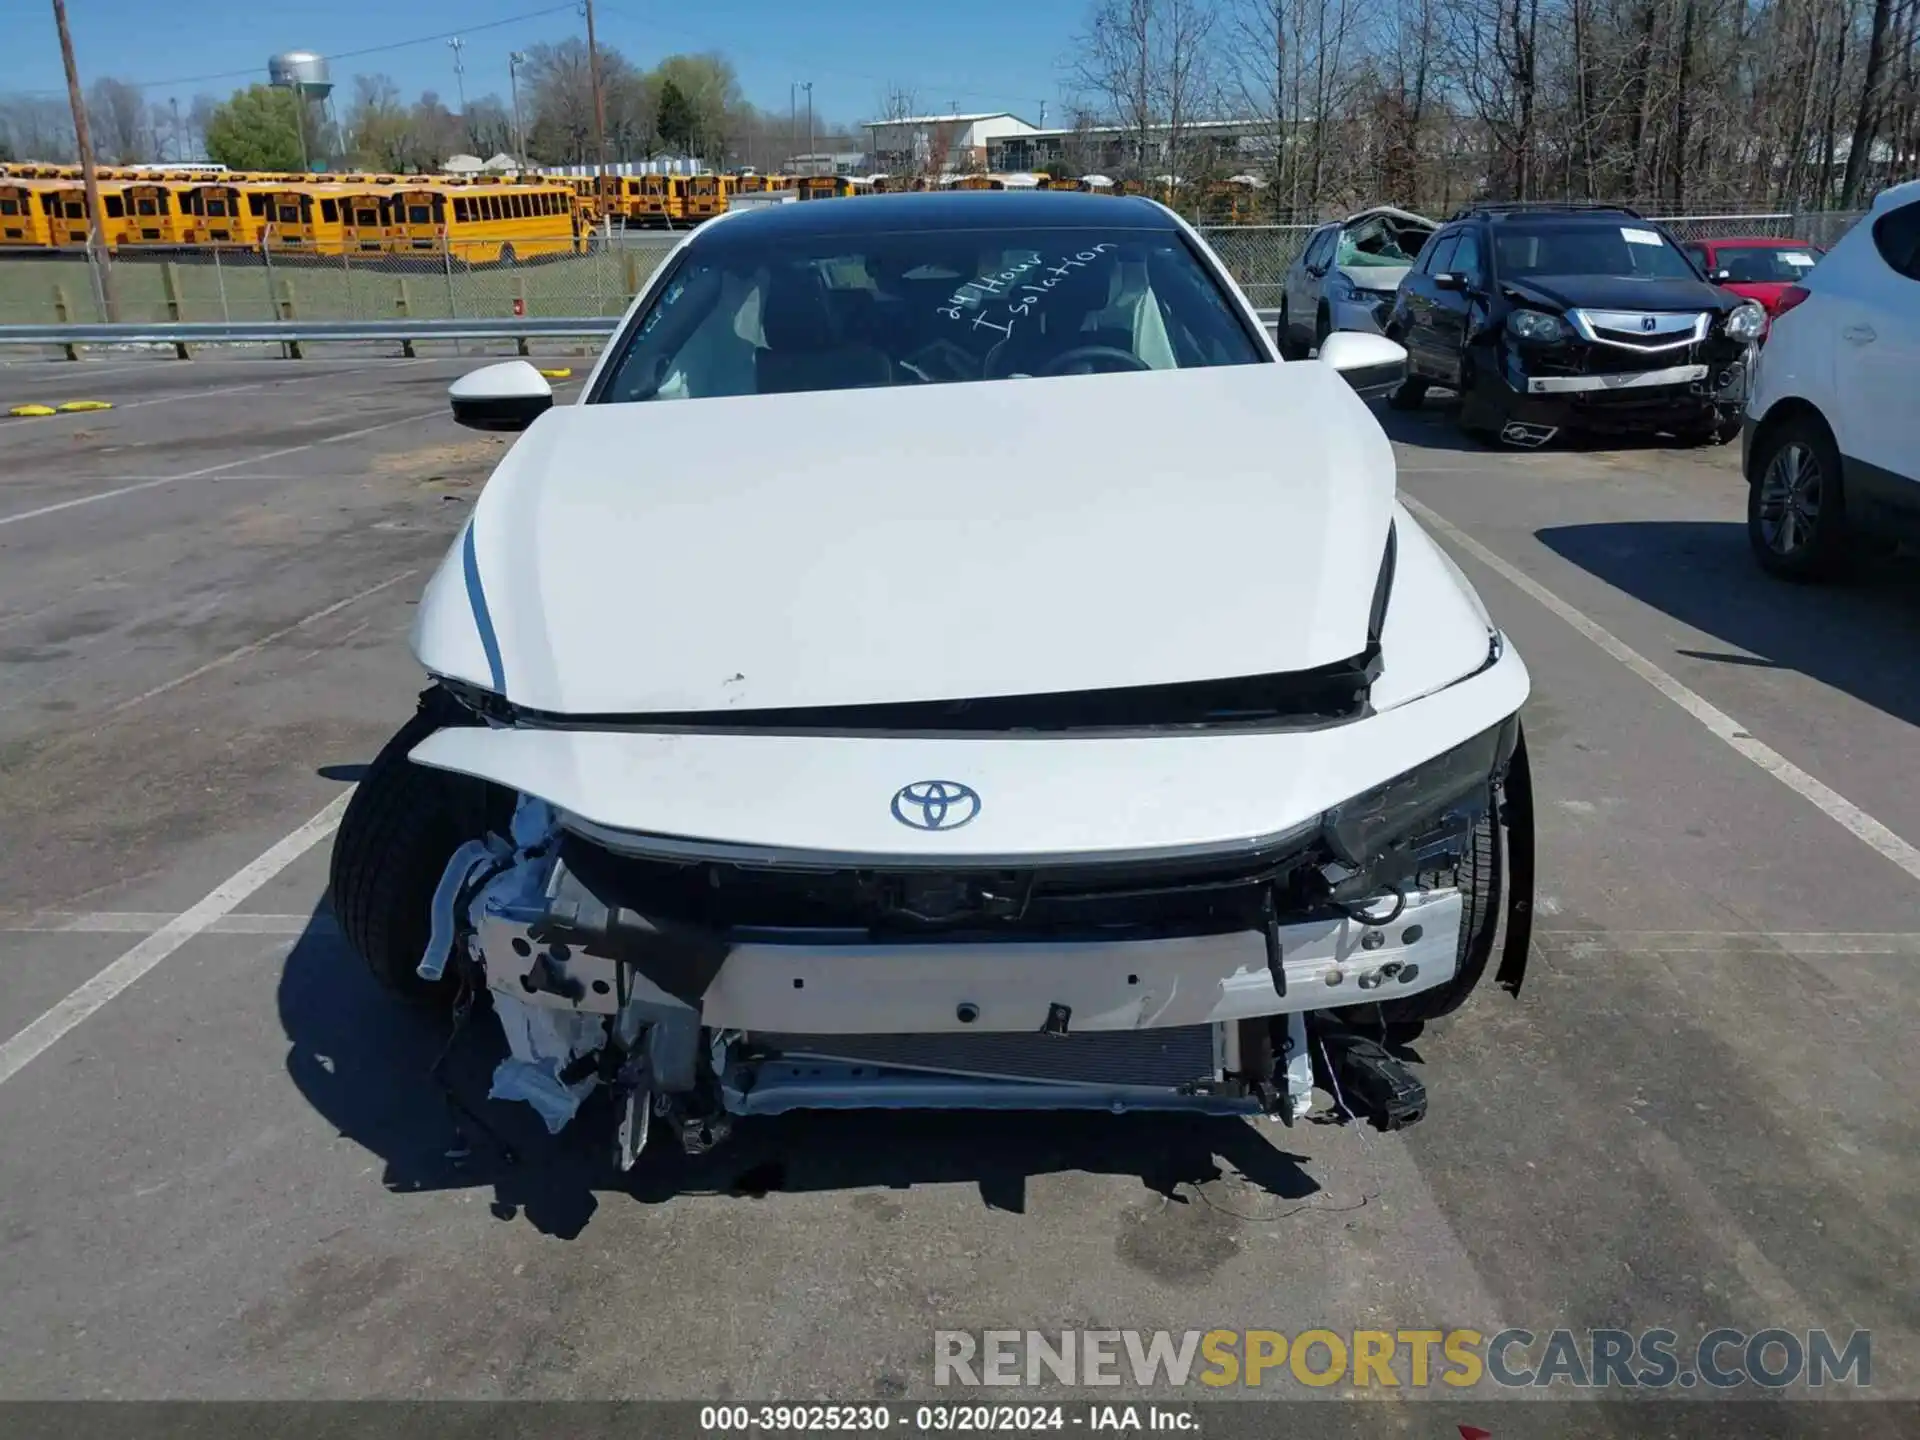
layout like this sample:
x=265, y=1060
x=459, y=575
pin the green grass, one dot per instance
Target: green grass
x=244, y=286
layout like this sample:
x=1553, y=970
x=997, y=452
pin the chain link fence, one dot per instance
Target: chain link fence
x=207, y=283
x=155, y=283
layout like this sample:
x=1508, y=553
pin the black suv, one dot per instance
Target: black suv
x=1572, y=317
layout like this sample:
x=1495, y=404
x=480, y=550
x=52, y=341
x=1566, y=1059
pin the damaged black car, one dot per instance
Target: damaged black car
x=1552, y=318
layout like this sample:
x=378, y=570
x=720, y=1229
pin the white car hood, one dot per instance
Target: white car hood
x=1376, y=277
x=924, y=543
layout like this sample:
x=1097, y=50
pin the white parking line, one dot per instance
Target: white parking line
x=37, y=1038
x=254, y=647
x=1715, y=720
x=56, y=508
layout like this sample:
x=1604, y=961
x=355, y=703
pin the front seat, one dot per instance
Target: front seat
x=803, y=350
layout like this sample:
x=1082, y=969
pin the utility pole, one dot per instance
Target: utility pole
x=514, y=61
x=456, y=44
x=179, y=150
x=83, y=137
x=793, y=121
x=807, y=85
x=599, y=106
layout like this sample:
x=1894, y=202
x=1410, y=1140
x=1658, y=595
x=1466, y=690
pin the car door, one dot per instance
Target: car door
x=1303, y=280
x=1877, y=351
x=1417, y=301
x=1453, y=305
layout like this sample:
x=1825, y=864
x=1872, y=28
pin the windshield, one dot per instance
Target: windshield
x=746, y=315
x=1586, y=247
x=1762, y=264
x=1381, y=241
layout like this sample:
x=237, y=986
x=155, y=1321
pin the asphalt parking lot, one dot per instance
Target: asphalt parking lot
x=224, y=1174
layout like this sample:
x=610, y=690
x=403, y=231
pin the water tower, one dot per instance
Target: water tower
x=306, y=75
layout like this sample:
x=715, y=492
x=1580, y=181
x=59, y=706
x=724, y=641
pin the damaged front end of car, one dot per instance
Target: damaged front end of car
x=694, y=982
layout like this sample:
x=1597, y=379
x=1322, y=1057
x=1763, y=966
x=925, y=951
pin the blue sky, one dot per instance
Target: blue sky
x=984, y=54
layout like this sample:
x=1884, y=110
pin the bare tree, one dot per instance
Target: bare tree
x=117, y=115
x=37, y=127
x=1113, y=64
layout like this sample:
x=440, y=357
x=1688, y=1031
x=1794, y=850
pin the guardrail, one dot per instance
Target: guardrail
x=294, y=333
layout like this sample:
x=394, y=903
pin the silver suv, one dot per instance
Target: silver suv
x=1346, y=276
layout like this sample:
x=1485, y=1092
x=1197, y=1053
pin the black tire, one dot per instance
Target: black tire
x=1290, y=349
x=1409, y=394
x=1480, y=893
x=401, y=827
x=1322, y=327
x=507, y=255
x=1796, y=506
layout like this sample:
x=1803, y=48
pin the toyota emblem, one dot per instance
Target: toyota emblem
x=935, y=804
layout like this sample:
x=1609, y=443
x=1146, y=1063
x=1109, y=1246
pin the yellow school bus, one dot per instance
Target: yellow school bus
x=823, y=187
x=649, y=199
x=217, y=213
x=586, y=194
x=369, y=222
x=488, y=224
x=151, y=218
x=975, y=182
x=64, y=202
x=306, y=219
x=23, y=217
x=705, y=196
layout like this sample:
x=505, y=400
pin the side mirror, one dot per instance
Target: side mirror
x=1721, y=277
x=508, y=396
x=1371, y=363
x=1450, y=280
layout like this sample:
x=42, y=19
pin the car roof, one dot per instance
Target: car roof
x=1897, y=195
x=950, y=210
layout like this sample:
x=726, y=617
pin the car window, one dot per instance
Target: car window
x=1625, y=247
x=1439, y=256
x=1466, y=257
x=1698, y=255
x=1320, y=246
x=1763, y=264
x=1897, y=237
x=749, y=315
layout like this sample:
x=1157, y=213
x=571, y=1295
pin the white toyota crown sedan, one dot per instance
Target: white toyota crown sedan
x=946, y=659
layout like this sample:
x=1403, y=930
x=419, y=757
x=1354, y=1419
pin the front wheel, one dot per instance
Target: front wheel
x=1409, y=394
x=1796, y=507
x=1290, y=349
x=400, y=830
x=1480, y=891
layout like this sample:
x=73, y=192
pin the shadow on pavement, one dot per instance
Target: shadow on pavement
x=1859, y=636
x=1432, y=427
x=361, y=1057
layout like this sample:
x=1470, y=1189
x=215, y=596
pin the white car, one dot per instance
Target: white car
x=1346, y=275
x=1832, y=439
x=997, y=681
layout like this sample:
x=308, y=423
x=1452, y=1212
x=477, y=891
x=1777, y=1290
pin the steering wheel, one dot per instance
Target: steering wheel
x=1085, y=354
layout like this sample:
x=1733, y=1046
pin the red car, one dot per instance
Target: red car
x=1760, y=268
